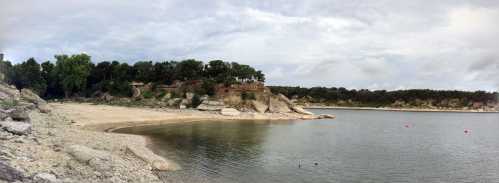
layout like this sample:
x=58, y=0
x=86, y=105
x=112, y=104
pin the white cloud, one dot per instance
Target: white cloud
x=449, y=44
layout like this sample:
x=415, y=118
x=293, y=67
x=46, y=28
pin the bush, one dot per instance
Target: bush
x=248, y=96
x=148, y=94
x=196, y=101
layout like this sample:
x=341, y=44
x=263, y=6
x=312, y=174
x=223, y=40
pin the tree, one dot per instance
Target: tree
x=189, y=70
x=49, y=74
x=73, y=72
x=143, y=71
x=29, y=75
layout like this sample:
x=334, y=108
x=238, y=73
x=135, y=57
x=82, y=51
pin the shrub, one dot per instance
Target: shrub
x=148, y=94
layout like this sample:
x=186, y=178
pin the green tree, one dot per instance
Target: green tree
x=29, y=75
x=73, y=72
x=189, y=70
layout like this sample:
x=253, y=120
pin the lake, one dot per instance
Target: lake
x=357, y=146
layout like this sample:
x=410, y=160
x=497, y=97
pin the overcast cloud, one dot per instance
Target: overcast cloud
x=375, y=44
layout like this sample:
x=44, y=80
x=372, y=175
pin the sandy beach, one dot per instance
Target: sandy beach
x=76, y=131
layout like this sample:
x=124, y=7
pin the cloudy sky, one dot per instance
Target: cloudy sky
x=375, y=44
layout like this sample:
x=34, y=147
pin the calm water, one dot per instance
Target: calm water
x=357, y=146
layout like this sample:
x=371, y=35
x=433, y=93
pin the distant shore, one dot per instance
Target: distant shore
x=399, y=109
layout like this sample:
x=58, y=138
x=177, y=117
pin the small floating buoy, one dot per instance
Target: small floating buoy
x=466, y=131
x=316, y=164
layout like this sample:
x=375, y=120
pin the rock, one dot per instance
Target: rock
x=278, y=106
x=156, y=162
x=17, y=128
x=174, y=101
x=189, y=96
x=106, y=97
x=19, y=114
x=211, y=105
x=10, y=174
x=259, y=106
x=300, y=110
x=84, y=154
x=285, y=99
x=136, y=93
x=3, y=115
x=44, y=108
x=30, y=96
x=9, y=92
x=45, y=178
x=230, y=112
x=26, y=105
x=326, y=116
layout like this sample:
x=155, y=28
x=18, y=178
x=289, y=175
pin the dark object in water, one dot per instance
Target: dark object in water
x=316, y=164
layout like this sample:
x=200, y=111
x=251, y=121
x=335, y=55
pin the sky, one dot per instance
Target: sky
x=373, y=44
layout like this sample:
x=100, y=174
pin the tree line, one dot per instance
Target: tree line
x=380, y=98
x=77, y=75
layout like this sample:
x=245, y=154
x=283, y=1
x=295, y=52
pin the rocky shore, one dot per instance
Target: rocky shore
x=69, y=142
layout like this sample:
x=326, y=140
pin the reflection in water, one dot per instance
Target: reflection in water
x=358, y=146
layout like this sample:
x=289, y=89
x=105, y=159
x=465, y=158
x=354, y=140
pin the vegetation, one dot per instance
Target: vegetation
x=77, y=75
x=382, y=98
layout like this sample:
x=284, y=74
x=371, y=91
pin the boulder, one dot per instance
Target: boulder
x=19, y=114
x=211, y=105
x=106, y=97
x=285, y=99
x=17, y=128
x=300, y=110
x=99, y=160
x=30, y=96
x=3, y=115
x=326, y=116
x=44, y=108
x=259, y=106
x=230, y=112
x=189, y=96
x=136, y=93
x=45, y=178
x=278, y=106
x=9, y=92
x=10, y=174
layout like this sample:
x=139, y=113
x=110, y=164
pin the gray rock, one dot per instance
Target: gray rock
x=45, y=178
x=300, y=110
x=30, y=96
x=326, y=116
x=211, y=105
x=17, y=128
x=278, y=106
x=10, y=174
x=230, y=112
x=284, y=99
x=44, y=108
x=84, y=154
x=9, y=92
x=259, y=106
x=189, y=96
x=19, y=114
x=3, y=115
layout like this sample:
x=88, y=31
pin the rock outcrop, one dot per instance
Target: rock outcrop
x=16, y=128
x=278, y=106
x=211, y=105
x=10, y=174
x=300, y=110
x=230, y=112
x=259, y=106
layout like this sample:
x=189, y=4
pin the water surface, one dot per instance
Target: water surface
x=357, y=146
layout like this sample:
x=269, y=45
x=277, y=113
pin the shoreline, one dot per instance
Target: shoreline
x=105, y=119
x=399, y=109
x=77, y=142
